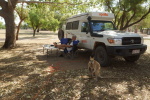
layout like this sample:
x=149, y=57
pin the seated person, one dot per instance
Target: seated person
x=68, y=46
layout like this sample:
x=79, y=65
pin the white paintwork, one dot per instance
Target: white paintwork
x=90, y=41
x=95, y=15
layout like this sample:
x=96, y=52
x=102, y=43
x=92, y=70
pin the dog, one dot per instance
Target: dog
x=94, y=68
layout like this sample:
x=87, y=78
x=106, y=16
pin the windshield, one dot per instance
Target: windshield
x=102, y=25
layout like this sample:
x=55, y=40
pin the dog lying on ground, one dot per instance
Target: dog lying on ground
x=94, y=68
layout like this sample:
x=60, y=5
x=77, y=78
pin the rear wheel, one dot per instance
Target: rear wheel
x=101, y=56
x=60, y=34
x=132, y=58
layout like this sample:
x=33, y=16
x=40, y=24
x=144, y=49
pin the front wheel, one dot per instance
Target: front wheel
x=101, y=56
x=132, y=58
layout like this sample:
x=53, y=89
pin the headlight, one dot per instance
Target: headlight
x=142, y=40
x=114, y=41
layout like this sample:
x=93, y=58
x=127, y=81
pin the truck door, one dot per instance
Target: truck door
x=85, y=36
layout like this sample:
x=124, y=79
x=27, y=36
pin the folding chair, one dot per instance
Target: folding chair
x=73, y=52
x=65, y=40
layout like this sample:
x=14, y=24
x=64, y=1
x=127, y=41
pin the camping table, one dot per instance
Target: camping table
x=50, y=49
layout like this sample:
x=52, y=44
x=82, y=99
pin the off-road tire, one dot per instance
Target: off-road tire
x=101, y=56
x=132, y=58
x=60, y=34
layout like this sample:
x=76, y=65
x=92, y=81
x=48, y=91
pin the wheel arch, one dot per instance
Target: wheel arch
x=96, y=44
x=100, y=54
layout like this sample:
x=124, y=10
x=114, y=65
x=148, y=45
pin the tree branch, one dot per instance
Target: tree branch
x=14, y=2
x=118, y=22
x=28, y=2
x=127, y=23
x=143, y=17
x=1, y=13
x=122, y=20
x=116, y=16
x=108, y=5
x=9, y=3
x=2, y=3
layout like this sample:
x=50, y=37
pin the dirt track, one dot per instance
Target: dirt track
x=26, y=73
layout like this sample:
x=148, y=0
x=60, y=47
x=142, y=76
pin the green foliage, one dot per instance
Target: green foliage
x=2, y=26
x=35, y=19
x=52, y=16
x=127, y=12
x=145, y=23
x=61, y=18
x=41, y=17
x=22, y=12
x=24, y=26
x=50, y=22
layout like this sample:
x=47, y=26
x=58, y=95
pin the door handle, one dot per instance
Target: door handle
x=69, y=33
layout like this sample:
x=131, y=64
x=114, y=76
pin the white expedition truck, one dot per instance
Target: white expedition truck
x=96, y=31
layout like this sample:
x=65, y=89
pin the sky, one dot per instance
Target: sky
x=2, y=20
x=92, y=9
x=16, y=20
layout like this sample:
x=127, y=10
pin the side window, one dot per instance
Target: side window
x=69, y=26
x=84, y=27
x=75, y=25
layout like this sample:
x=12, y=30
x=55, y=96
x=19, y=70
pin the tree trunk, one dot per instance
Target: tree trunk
x=18, y=28
x=122, y=21
x=10, y=40
x=34, y=30
x=7, y=12
x=38, y=30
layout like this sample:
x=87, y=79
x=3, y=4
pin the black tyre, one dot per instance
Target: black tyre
x=60, y=34
x=101, y=56
x=132, y=58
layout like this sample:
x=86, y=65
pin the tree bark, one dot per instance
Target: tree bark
x=18, y=28
x=38, y=30
x=20, y=14
x=122, y=20
x=7, y=12
x=10, y=40
x=142, y=17
x=34, y=30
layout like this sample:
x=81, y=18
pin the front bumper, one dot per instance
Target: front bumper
x=125, y=50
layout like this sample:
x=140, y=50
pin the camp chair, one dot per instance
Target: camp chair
x=73, y=52
x=65, y=40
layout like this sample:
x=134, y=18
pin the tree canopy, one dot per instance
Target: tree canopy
x=50, y=14
x=145, y=23
x=2, y=26
x=128, y=12
x=23, y=14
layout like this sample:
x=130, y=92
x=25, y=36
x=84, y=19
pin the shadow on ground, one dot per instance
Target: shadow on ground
x=40, y=33
x=27, y=73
